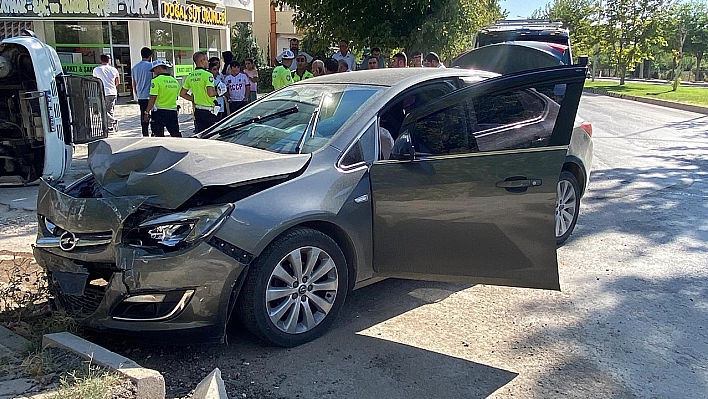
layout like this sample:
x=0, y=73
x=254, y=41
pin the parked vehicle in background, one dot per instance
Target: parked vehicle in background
x=43, y=112
x=526, y=30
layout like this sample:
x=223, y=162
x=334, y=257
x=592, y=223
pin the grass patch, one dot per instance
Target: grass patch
x=684, y=94
x=93, y=383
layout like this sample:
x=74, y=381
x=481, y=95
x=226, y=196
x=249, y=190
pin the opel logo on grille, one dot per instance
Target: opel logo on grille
x=67, y=241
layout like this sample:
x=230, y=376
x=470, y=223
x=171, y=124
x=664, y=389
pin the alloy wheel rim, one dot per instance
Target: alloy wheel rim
x=565, y=207
x=301, y=290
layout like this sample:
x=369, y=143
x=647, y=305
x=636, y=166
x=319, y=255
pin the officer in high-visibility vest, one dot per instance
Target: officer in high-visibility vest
x=162, y=105
x=301, y=72
x=201, y=83
x=281, y=73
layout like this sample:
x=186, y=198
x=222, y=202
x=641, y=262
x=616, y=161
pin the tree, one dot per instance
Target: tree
x=697, y=41
x=630, y=29
x=444, y=26
x=243, y=44
x=679, y=22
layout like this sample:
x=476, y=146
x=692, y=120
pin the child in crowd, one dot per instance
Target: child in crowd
x=239, y=87
x=220, y=87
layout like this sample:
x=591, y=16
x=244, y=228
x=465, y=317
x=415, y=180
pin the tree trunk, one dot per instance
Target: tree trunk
x=699, y=57
x=623, y=71
x=679, y=61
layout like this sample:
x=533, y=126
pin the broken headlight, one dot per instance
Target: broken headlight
x=177, y=230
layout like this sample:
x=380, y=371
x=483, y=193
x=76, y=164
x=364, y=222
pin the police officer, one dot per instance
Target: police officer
x=201, y=83
x=162, y=105
x=301, y=72
x=281, y=73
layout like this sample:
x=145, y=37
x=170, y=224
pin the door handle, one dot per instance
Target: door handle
x=519, y=183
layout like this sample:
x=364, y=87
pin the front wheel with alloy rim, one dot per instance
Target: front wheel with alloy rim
x=295, y=288
x=567, y=206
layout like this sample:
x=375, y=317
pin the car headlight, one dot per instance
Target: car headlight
x=176, y=230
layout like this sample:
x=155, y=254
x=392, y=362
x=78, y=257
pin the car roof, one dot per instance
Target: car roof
x=398, y=76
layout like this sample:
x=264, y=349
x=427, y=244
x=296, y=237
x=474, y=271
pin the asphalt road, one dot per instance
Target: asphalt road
x=630, y=321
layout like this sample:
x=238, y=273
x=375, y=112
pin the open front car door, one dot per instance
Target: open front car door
x=469, y=193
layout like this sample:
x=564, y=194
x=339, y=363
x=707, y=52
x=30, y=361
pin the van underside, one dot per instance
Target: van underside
x=21, y=123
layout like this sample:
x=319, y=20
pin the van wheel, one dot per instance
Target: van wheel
x=294, y=289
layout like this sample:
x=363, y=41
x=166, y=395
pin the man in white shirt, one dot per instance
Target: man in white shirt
x=109, y=76
x=295, y=48
x=433, y=61
x=344, y=54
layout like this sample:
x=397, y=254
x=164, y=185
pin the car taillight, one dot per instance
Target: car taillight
x=558, y=47
x=587, y=126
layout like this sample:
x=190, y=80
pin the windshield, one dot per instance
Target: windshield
x=300, y=119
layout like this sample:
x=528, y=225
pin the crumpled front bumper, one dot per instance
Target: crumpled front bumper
x=94, y=283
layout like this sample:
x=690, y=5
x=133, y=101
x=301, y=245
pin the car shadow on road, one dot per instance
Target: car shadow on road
x=344, y=363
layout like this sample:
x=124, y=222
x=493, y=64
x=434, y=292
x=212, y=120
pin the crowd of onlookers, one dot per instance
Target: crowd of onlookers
x=220, y=86
x=296, y=64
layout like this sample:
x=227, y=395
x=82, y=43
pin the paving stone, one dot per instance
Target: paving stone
x=16, y=387
x=12, y=341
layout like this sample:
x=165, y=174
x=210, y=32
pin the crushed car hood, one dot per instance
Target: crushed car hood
x=171, y=170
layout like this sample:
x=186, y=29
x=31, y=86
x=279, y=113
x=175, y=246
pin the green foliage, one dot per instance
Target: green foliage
x=630, y=29
x=697, y=38
x=243, y=44
x=578, y=16
x=265, y=79
x=444, y=26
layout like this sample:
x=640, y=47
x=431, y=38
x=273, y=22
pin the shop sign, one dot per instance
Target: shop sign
x=73, y=9
x=193, y=14
x=183, y=70
x=79, y=69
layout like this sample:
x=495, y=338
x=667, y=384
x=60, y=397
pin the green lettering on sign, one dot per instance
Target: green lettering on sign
x=79, y=69
x=183, y=70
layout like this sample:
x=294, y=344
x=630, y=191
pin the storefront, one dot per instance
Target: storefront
x=82, y=30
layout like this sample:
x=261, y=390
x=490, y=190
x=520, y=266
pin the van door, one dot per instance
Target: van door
x=87, y=106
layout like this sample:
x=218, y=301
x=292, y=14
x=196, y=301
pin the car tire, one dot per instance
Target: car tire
x=282, y=309
x=567, y=206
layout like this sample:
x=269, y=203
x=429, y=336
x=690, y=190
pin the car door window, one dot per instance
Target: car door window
x=396, y=111
x=516, y=119
x=443, y=132
x=363, y=151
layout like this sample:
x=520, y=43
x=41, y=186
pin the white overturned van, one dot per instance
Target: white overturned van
x=43, y=112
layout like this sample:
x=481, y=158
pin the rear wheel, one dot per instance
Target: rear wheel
x=295, y=288
x=567, y=206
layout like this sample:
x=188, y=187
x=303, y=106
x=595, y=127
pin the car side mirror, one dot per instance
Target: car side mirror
x=403, y=148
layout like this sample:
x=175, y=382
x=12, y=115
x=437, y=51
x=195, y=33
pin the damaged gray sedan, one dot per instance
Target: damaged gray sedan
x=276, y=213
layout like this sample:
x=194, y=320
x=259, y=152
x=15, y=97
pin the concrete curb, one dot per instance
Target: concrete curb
x=149, y=384
x=12, y=342
x=669, y=104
